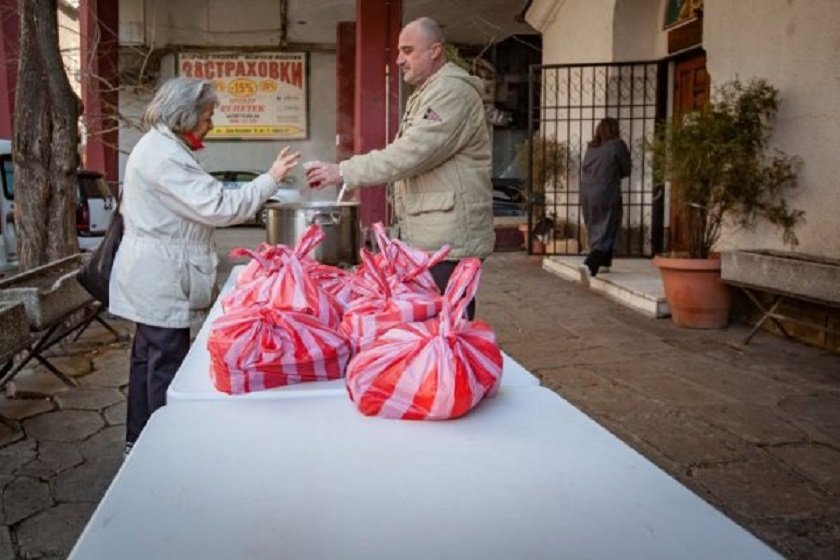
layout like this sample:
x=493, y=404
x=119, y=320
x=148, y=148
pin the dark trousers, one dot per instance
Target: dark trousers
x=156, y=355
x=441, y=273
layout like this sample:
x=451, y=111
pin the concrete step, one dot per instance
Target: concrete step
x=634, y=283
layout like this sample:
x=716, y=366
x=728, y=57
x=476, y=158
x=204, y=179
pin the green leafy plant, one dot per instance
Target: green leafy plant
x=547, y=157
x=453, y=55
x=548, y=162
x=720, y=167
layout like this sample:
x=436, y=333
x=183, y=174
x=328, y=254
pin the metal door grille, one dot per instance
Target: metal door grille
x=565, y=104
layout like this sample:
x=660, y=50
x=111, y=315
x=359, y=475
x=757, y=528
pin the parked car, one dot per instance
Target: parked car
x=508, y=197
x=94, y=205
x=235, y=180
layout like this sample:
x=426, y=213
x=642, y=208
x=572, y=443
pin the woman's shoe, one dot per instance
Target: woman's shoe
x=584, y=275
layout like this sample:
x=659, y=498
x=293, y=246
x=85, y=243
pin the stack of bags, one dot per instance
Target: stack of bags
x=279, y=326
x=414, y=355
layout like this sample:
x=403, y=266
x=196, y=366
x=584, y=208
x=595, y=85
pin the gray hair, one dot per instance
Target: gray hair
x=430, y=29
x=178, y=104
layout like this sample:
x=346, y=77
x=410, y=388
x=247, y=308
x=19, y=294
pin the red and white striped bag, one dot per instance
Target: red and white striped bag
x=337, y=282
x=434, y=370
x=401, y=262
x=385, y=303
x=265, y=260
x=252, y=349
x=268, y=260
x=263, y=264
x=289, y=288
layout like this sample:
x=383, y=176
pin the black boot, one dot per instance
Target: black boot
x=592, y=262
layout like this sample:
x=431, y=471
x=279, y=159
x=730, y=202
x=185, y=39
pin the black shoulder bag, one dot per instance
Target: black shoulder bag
x=95, y=273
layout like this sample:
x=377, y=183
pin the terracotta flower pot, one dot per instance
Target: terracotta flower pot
x=697, y=297
x=526, y=235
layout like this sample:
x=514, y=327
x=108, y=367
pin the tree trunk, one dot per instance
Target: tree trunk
x=65, y=136
x=32, y=146
x=45, y=141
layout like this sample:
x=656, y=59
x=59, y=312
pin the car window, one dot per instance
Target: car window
x=93, y=187
x=244, y=176
x=234, y=179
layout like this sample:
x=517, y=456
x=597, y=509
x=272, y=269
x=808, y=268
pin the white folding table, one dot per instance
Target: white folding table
x=192, y=381
x=524, y=476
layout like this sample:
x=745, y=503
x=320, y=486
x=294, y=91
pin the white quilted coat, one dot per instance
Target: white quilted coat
x=164, y=273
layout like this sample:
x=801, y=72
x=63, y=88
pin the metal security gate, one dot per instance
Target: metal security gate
x=565, y=104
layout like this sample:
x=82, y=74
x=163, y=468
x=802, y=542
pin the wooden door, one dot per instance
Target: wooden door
x=691, y=93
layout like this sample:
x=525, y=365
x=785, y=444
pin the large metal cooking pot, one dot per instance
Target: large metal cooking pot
x=286, y=223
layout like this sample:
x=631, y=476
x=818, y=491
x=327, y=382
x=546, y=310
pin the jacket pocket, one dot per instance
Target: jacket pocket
x=431, y=221
x=421, y=203
x=202, y=281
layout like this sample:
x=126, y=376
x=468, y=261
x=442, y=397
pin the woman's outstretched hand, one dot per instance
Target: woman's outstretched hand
x=284, y=163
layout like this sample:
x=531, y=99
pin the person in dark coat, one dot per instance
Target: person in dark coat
x=606, y=163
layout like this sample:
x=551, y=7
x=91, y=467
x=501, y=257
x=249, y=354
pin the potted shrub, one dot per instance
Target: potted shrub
x=718, y=163
x=547, y=157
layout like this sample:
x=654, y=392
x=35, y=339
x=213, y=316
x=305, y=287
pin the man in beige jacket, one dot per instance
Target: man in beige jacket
x=440, y=161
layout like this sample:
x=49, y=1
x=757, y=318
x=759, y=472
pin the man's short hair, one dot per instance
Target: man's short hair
x=431, y=29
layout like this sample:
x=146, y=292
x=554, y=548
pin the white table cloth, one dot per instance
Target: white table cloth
x=524, y=476
x=193, y=382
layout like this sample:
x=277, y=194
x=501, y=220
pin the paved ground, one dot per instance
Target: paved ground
x=754, y=431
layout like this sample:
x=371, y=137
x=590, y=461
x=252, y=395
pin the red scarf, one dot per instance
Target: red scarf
x=194, y=142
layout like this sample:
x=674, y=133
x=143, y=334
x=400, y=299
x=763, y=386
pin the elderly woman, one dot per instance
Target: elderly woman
x=164, y=274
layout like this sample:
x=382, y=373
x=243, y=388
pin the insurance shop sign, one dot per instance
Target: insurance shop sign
x=262, y=96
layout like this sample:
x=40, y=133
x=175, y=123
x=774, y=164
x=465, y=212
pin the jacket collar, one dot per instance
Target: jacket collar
x=431, y=79
x=415, y=95
x=167, y=132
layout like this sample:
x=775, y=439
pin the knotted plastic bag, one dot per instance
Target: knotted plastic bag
x=432, y=370
x=267, y=260
x=402, y=263
x=384, y=304
x=288, y=286
x=253, y=349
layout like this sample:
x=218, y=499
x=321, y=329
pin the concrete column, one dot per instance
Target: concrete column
x=377, y=90
x=9, y=43
x=99, y=22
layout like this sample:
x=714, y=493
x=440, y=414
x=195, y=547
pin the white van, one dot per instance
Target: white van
x=94, y=206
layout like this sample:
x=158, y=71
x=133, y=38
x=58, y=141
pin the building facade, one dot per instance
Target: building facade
x=702, y=44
